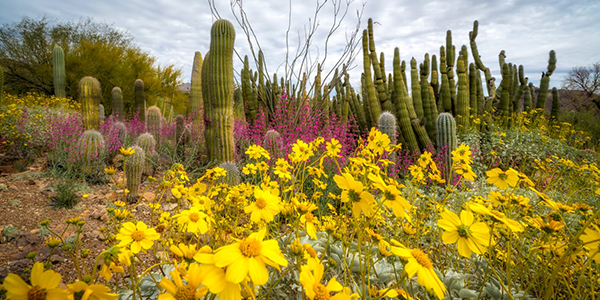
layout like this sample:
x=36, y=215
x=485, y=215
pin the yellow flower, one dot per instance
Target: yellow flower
x=264, y=208
x=591, y=240
x=311, y=276
x=127, y=152
x=184, y=251
x=418, y=263
x=468, y=235
x=194, y=220
x=256, y=152
x=213, y=277
x=333, y=148
x=308, y=219
x=249, y=257
x=83, y=291
x=354, y=191
x=110, y=170
x=138, y=235
x=44, y=285
x=378, y=142
x=177, y=291
x=301, y=151
x=503, y=179
x=392, y=197
x=496, y=216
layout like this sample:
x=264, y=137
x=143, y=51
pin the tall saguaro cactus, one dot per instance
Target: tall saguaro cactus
x=58, y=68
x=89, y=97
x=545, y=82
x=140, y=99
x=219, y=119
x=196, y=102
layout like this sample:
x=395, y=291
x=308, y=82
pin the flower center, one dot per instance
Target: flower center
x=138, y=235
x=464, y=231
x=261, y=203
x=503, y=176
x=250, y=248
x=309, y=217
x=321, y=292
x=36, y=293
x=354, y=196
x=186, y=293
x=422, y=258
x=194, y=217
x=389, y=196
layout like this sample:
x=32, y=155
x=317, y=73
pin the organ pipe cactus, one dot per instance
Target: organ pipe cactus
x=445, y=101
x=462, y=97
x=379, y=72
x=58, y=69
x=89, y=97
x=134, y=167
x=545, y=82
x=117, y=103
x=446, y=141
x=419, y=128
x=368, y=86
x=140, y=99
x=490, y=81
x=473, y=101
x=92, y=151
x=415, y=88
x=402, y=98
x=219, y=120
x=154, y=122
x=196, y=102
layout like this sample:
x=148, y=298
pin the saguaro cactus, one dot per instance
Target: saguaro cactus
x=196, y=101
x=91, y=151
x=134, y=166
x=545, y=82
x=117, y=103
x=554, y=111
x=89, y=97
x=140, y=99
x=446, y=140
x=58, y=68
x=219, y=119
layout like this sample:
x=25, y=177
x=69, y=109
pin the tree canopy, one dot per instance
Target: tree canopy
x=91, y=49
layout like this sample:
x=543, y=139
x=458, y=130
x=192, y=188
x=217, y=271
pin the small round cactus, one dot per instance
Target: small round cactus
x=92, y=151
x=119, y=127
x=134, y=167
x=233, y=176
x=387, y=124
x=147, y=142
x=154, y=122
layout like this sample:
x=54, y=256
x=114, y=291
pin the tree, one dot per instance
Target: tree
x=587, y=80
x=91, y=49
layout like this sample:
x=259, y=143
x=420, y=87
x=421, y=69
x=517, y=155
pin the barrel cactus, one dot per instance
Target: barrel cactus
x=119, y=127
x=117, y=103
x=140, y=99
x=91, y=151
x=89, y=97
x=220, y=88
x=446, y=141
x=134, y=167
x=154, y=122
x=233, y=175
x=147, y=142
x=58, y=68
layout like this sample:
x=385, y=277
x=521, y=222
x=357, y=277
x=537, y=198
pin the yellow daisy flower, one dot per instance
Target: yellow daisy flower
x=138, y=235
x=311, y=276
x=194, y=220
x=418, y=263
x=353, y=191
x=44, y=285
x=468, y=235
x=82, y=291
x=177, y=291
x=264, y=208
x=591, y=238
x=502, y=179
x=249, y=257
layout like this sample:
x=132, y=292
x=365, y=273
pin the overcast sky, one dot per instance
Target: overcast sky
x=172, y=30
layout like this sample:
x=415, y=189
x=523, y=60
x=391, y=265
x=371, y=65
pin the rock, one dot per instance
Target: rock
x=164, y=160
x=28, y=240
x=98, y=213
x=31, y=182
x=8, y=169
x=149, y=196
x=169, y=206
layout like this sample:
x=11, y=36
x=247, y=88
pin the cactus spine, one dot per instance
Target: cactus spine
x=92, y=151
x=117, y=103
x=154, y=122
x=446, y=141
x=89, y=97
x=196, y=102
x=134, y=167
x=140, y=99
x=220, y=88
x=58, y=68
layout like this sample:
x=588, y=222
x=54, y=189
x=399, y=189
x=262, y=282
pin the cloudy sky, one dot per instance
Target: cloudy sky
x=172, y=30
